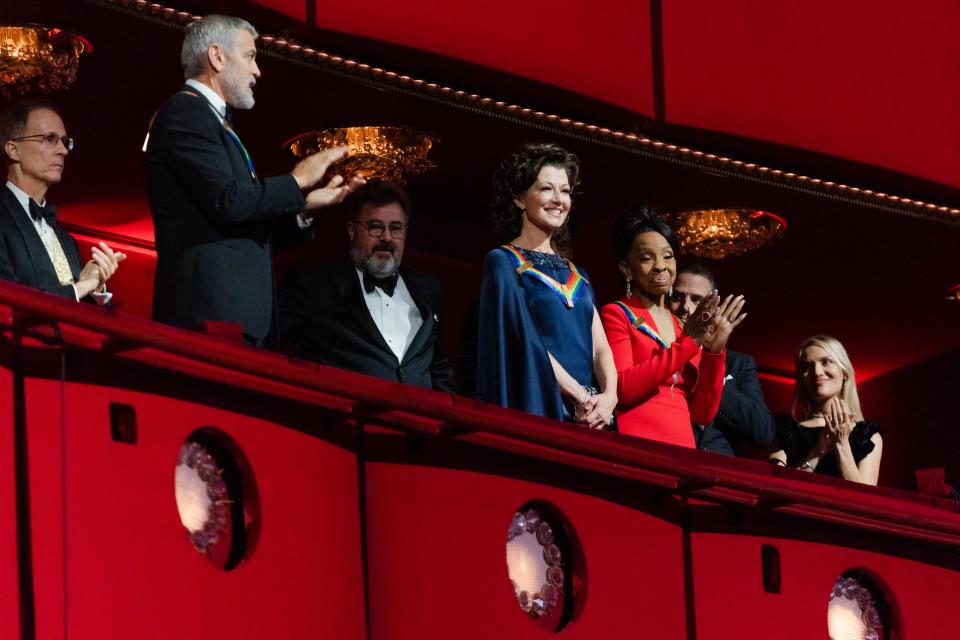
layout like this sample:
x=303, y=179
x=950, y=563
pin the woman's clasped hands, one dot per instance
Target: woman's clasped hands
x=839, y=422
x=595, y=411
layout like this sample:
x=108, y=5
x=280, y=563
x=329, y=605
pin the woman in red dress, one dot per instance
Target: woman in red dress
x=668, y=376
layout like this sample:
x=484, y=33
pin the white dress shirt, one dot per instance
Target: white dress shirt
x=397, y=316
x=48, y=237
x=219, y=104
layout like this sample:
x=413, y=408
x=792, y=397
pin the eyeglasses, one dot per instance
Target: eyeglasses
x=47, y=139
x=376, y=229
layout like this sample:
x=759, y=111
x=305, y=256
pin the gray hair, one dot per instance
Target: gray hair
x=213, y=29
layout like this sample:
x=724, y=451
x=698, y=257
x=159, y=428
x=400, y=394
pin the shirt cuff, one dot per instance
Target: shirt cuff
x=304, y=224
x=103, y=298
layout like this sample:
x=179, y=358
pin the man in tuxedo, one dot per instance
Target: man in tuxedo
x=215, y=218
x=743, y=418
x=34, y=250
x=368, y=313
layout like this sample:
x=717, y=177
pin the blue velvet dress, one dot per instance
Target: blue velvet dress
x=523, y=316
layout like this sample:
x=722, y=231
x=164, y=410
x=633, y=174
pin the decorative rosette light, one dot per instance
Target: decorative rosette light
x=849, y=595
x=535, y=564
x=38, y=58
x=717, y=233
x=386, y=153
x=202, y=497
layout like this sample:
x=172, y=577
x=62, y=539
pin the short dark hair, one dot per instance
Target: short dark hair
x=697, y=268
x=516, y=173
x=13, y=118
x=378, y=194
x=637, y=220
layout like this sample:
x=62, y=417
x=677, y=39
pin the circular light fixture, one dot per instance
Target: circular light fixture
x=386, y=153
x=215, y=497
x=717, y=233
x=857, y=609
x=545, y=565
x=202, y=497
x=37, y=57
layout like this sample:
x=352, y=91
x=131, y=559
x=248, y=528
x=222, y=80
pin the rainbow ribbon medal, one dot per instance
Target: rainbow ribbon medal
x=230, y=132
x=641, y=325
x=569, y=292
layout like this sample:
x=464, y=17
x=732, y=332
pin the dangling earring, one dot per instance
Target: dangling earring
x=629, y=292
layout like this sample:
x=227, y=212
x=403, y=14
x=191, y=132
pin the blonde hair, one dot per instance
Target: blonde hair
x=803, y=405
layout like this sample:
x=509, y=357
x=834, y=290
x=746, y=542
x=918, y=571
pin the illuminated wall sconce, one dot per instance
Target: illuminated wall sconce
x=858, y=609
x=216, y=498
x=546, y=565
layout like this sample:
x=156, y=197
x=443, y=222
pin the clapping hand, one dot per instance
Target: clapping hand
x=840, y=422
x=698, y=323
x=335, y=191
x=102, y=265
x=310, y=171
x=725, y=319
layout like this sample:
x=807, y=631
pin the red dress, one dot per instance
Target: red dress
x=662, y=390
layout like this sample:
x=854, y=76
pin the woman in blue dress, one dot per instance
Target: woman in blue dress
x=542, y=348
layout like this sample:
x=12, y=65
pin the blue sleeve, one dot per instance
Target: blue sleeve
x=513, y=368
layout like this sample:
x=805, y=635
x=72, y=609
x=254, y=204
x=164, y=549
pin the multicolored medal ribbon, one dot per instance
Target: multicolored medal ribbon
x=641, y=325
x=569, y=292
x=230, y=132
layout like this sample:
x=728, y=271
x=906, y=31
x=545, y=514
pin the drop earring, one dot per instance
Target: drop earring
x=629, y=292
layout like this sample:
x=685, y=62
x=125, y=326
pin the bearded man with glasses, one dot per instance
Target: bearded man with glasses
x=34, y=250
x=367, y=312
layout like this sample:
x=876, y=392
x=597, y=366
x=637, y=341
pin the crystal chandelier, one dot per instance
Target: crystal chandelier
x=383, y=153
x=717, y=233
x=34, y=57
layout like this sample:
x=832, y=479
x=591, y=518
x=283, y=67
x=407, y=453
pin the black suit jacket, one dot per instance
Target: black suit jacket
x=23, y=258
x=213, y=220
x=743, y=417
x=324, y=318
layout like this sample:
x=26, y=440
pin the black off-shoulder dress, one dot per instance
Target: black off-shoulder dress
x=797, y=441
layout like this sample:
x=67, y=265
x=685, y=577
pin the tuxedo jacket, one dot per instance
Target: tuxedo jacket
x=324, y=318
x=214, y=220
x=23, y=258
x=743, y=417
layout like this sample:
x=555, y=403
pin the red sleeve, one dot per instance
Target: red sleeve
x=706, y=395
x=640, y=371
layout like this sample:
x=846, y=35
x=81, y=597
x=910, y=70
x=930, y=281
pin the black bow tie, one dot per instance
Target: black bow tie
x=388, y=284
x=47, y=212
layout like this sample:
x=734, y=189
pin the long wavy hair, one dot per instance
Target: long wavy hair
x=803, y=405
x=517, y=173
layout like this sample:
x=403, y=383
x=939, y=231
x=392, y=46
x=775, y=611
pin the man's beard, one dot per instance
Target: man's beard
x=239, y=93
x=376, y=266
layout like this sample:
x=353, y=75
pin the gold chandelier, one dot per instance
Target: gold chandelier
x=35, y=57
x=717, y=233
x=383, y=153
